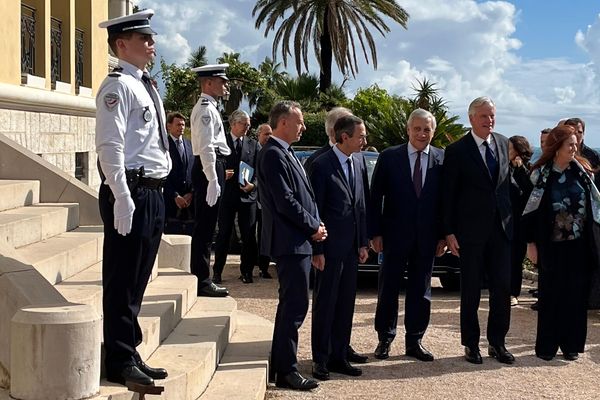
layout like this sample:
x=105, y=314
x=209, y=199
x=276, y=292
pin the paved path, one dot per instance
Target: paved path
x=449, y=376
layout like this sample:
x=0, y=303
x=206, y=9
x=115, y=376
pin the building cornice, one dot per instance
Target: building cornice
x=25, y=98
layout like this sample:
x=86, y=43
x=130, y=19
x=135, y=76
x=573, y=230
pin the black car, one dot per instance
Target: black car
x=446, y=267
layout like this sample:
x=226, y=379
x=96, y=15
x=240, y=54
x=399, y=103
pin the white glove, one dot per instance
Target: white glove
x=212, y=192
x=123, y=210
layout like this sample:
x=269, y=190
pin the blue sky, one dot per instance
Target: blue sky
x=539, y=60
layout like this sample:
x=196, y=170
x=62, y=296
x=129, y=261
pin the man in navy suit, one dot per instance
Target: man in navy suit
x=405, y=222
x=290, y=224
x=178, y=192
x=478, y=227
x=340, y=182
x=238, y=200
x=330, y=120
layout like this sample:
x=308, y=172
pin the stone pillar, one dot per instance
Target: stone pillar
x=117, y=8
x=55, y=352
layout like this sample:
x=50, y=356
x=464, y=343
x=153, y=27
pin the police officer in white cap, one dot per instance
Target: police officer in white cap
x=208, y=174
x=133, y=156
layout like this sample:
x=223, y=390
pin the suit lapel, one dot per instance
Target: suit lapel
x=473, y=151
x=295, y=164
x=404, y=162
x=335, y=162
x=502, y=155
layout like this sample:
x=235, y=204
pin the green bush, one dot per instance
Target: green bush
x=315, y=130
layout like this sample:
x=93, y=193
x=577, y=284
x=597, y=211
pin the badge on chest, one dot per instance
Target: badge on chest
x=147, y=115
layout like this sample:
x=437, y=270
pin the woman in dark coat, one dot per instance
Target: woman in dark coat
x=519, y=154
x=560, y=219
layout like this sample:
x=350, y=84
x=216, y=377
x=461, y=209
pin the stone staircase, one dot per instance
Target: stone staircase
x=211, y=350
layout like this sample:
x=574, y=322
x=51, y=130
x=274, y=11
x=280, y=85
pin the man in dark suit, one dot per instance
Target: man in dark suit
x=330, y=119
x=178, y=193
x=478, y=226
x=290, y=224
x=340, y=182
x=405, y=222
x=238, y=199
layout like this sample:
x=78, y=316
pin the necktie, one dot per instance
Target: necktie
x=418, y=175
x=491, y=162
x=350, y=175
x=238, y=146
x=181, y=150
x=150, y=89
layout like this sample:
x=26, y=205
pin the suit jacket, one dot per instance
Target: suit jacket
x=472, y=201
x=248, y=154
x=396, y=213
x=343, y=211
x=289, y=210
x=316, y=154
x=179, y=179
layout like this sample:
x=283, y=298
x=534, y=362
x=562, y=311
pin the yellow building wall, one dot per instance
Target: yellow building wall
x=82, y=14
x=10, y=32
x=99, y=45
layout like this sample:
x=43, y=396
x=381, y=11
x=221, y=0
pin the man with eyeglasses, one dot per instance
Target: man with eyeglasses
x=239, y=198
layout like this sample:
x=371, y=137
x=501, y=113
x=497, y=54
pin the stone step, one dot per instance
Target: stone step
x=65, y=255
x=25, y=225
x=190, y=353
x=243, y=371
x=166, y=300
x=15, y=193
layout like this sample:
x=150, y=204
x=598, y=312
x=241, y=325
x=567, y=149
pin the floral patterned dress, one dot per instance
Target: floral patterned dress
x=568, y=205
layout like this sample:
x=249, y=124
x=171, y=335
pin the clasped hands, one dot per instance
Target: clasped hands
x=183, y=201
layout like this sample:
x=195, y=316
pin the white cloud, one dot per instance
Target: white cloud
x=467, y=47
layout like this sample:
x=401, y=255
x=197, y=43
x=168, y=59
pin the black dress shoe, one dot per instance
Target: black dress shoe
x=154, y=373
x=246, y=278
x=419, y=352
x=353, y=356
x=343, y=367
x=571, y=356
x=545, y=357
x=501, y=354
x=295, y=381
x=473, y=355
x=265, y=275
x=213, y=290
x=217, y=278
x=130, y=373
x=320, y=371
x=383, y=349
x=535, y=306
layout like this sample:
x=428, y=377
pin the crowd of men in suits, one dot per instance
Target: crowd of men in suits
x=324, y=215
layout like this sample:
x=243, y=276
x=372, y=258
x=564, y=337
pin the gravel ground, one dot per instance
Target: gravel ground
x=449, y=376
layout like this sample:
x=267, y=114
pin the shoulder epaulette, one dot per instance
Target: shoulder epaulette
x=204, y=102
x=116, y=72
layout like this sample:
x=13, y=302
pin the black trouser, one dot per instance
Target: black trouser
x=126, y=268
x=334, y=294
x=492, y=257
x=246, y=213
x=564, y=278
x=518, y=251
x=417, y=306
x=263, y=261
x=293, y=272
x=205, y=221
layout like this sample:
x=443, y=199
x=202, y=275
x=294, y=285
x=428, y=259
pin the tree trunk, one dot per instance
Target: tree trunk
x=326, y=55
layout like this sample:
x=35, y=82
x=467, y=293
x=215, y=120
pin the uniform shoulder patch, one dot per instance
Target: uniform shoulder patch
x=111, y=100
x=206, y=119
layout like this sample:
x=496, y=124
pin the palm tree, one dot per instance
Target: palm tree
x=334, y=27
x=197, y=58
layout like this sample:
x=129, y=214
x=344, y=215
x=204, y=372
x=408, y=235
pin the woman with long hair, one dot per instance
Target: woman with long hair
x=560, y=221
x=519, y=155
